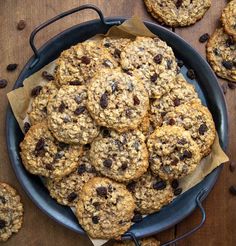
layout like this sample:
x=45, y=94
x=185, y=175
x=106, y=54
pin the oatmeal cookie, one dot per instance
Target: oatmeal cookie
x=177, y=12
x=151, y=241
x=197, y=119
x=117, y=100
x=38, y=111
x=120, y=156
x=228, y=19
x=43, y=155
x=105, y=208
x=66, y=191
x=68, y=117
x=221, y=54
x=151, y=193
x=11, y=212
x=173, y=154
x=153, y=61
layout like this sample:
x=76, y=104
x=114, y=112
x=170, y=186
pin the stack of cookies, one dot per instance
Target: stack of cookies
x=114, y=131
x=221, y=47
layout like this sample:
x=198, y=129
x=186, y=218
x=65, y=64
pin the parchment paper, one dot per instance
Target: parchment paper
x=20, y=102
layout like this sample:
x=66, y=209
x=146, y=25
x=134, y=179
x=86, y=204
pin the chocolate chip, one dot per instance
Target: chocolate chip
x=178, y=3
x=124, y=166
x=204, y=38
x=102, y=191
x=176, y=102
x=178, y=191
x=128, y=112
x=80, y=110
x=159, y=185
x=2, y=224
x=153, y=77
x=3, y=200
x=46, y=75
x=131, y=186
x=227, y=64
x=187, y=154
x=224, y=88
x=62, y=107
x=3, y=83
x=157, y=59
x=114, y=87
x=232, y=166
x=136, y=100
x=12, y=67
x=81, y=169
x=107, y=163
x=229, y=41
x=169, y=64
x=95, y=219
x=86, y=60
x=191, y=74
x=40, y=144
x=21, y=25
x=171, y=121
x=175, y=184
x=105, y=132
x=87, y=147
x=137, y=218
x=182, y=141
x=231, y=85
x=26, y=127
x=76, y=82
x=62, y=145
x=36, y=90
x=180, y=63
x=202, y=129
x=49, y=167
x=174, y=161
x=71, y=197
x=232, y=190
x=117, y=53
x=96, y=205
x=104, y=100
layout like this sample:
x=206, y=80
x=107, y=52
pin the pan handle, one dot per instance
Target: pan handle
x=199, y=199
x=60, y=16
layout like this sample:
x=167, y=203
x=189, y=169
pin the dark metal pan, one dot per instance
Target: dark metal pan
x=207, y=88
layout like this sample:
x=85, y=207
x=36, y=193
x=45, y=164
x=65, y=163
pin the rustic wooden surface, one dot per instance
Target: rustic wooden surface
x=38, y=229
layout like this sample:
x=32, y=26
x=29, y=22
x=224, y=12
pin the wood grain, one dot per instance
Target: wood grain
x=40, y=230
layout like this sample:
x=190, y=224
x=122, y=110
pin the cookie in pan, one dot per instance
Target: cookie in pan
x=173, y=153
x=68, y=117
x=117, y=100
x=221, y=54
x=153, y=61
x=196, y=119
x=105, y=208
x=120, y=156
x=43, y=155
x=11, y=212
x=177, y=12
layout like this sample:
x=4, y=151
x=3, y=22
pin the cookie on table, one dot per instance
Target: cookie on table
x=120, y=156
x=151, y=241
x=228, y=19
x=182, y=93
x=151, y=193
x=221, y=54
x=177, y=12
x=153, y=61
x=115, y=46
x=173, y=154
x=197, y=119
x=66, y=191
x=105, y=208
x=11, y=212
x=117, y=100
x=43, y=155
x=38, y=111
x=68, y=117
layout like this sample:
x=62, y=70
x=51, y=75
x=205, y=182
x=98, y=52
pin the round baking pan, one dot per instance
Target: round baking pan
x=206, y=85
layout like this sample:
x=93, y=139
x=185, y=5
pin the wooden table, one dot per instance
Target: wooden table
x=40, y=230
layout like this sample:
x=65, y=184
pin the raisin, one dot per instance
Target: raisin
x=78, y=99
x=117, y=53
x=107, y=63
x=127, y=71
x=175, y=184
x=12, y=67
x=104, y=100
x=171, y=121
x=137, y=218
x=81, y=169
x=175, y=162
x=3, y=83
x=107, y=163
x=202, y=129
x=107, y=45
x=102, y=191
x=114, y=87
x=229, y=41
x=2, y=224
x=21, y=25
x=105, y=132
x=26, y=127
x=178, y=191
x=136, y=100
x=169, y=63
x=178, y=3
x=128, y=113
x=182, y=141
x=3, y=200
x=86, y=60
x=40, y=144
x=227, y=64
x=46, y=75
x=157, y=59
x=80, y=110
x=95, y=219
x=96, y=205
x=159, y=185
x=62, y=107
x=204, y=38
x=131, y=186
x=59, y=155
x=71, y=197
x=62, y=145
x=124, y=166
x=153, y=77
x=87, y=147
x=36, y=90
x=49, y=167
x=176, y=102
x=216, y=52
x=191, y=74
x=187, y=154
x=76, y=82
